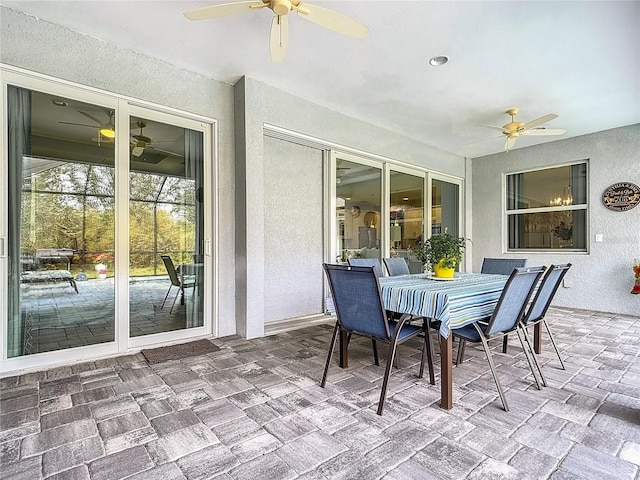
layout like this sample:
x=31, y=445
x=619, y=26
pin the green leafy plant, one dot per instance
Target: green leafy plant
x=444, y=247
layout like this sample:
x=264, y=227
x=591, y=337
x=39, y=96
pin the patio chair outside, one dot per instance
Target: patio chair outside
x=396, y=266
x=505, y=319
x=360, y=310
x=368, y=262
x=502, y=266
x=541, y=302
x=181, y=282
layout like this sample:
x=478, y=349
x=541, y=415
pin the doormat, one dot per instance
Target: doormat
x=177, y=352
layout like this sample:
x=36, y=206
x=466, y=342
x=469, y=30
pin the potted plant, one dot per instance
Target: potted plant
x=441, y=252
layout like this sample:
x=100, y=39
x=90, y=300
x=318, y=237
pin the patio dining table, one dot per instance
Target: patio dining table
x=465, y=299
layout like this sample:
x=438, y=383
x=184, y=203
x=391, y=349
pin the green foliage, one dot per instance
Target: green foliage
x=72, y=206
x=443, y=247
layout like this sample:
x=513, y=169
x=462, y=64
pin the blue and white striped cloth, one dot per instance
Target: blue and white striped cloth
x=457, y=302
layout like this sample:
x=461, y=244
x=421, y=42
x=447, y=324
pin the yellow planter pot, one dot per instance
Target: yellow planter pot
x=443, y=272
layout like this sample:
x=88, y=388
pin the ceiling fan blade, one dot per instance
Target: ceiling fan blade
x=80, y=124
x=544, y=131
x=495, y=127
x=333, y=21
x=511, y=141
x=538, y=121
x=223, y=10
x=166, y=152
x=91, y=117
x=279, y=38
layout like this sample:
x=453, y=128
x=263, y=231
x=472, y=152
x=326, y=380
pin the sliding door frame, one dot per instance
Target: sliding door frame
x=124, y=108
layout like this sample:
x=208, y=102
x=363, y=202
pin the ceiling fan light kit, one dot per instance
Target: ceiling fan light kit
x=279, y=35
x=108, y=132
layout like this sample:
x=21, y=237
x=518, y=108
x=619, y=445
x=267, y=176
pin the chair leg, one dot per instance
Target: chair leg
x=461, y=343
x=553, y=342
x=331, y=348
x=487, y=351
x=174, y=301
x=505, y=341
x=528, y=352
x=375, y=351
x=533, y=354
x=393, y=343
x=428, y=348
x=387, y=373
x=165, y=297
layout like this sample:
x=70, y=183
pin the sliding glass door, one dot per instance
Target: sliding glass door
x=166, y=227
x=358, y=193
x=61, y=224
x=416, y=203
x=406, y=216
x=105, y=238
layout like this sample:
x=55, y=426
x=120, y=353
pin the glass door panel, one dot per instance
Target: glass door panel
x=445, y=207
x=358, y=210
x=61, y=244
x=406, y=214
x=166, y=219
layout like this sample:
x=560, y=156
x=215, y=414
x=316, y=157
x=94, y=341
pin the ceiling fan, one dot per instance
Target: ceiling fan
x=279, y=37
x=513, y=129
x=105, y=130
x=140, y=143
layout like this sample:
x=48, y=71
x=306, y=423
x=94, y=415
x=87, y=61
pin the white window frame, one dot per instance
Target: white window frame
x=507, y=212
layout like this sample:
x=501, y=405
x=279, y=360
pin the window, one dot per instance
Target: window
x=547, y=209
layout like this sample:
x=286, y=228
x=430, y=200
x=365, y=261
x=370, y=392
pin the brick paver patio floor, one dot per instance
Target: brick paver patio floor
x=255, y=410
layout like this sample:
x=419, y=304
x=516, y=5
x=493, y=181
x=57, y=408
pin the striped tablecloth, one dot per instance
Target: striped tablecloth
x=458, y=302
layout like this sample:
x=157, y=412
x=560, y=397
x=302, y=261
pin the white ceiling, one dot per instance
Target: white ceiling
x=578, y=59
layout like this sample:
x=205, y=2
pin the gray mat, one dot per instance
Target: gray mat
x=176, y=352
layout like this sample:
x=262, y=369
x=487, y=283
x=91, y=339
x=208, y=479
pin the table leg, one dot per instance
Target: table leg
x=446, y=372
x=537, y=341
x=344, y=351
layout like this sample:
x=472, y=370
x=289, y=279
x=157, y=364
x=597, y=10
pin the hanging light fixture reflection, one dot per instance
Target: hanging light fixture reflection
x=563, y=200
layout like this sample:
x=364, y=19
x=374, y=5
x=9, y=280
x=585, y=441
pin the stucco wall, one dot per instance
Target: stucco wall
x=263, y=104
x=43, y=47
x=602, y=278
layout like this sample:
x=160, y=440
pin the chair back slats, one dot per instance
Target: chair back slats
x=357, y=299
x=171, y=270
x=396, y=266
x=367, y=262
x=513, y=300
x=503, y=266
x=546, y=292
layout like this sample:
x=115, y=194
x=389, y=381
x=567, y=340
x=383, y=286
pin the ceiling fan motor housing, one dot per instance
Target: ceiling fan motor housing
x=281, y=7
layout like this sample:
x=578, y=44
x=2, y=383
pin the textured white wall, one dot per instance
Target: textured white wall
x=293, y=230
x=42, y=47
x=601, y=279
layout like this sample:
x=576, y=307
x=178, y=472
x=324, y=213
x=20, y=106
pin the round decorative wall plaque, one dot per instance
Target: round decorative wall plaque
x=621, y=197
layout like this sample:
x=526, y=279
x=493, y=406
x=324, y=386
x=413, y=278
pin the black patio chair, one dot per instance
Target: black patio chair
x=505, y=319
x=360, y=310
x=368, y=262
x=181, y=281
x=502, y=266
x=396, y=266
x=540, y=304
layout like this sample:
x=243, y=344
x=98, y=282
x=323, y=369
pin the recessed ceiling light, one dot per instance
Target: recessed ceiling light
x=60, y=103
x=439, y=60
